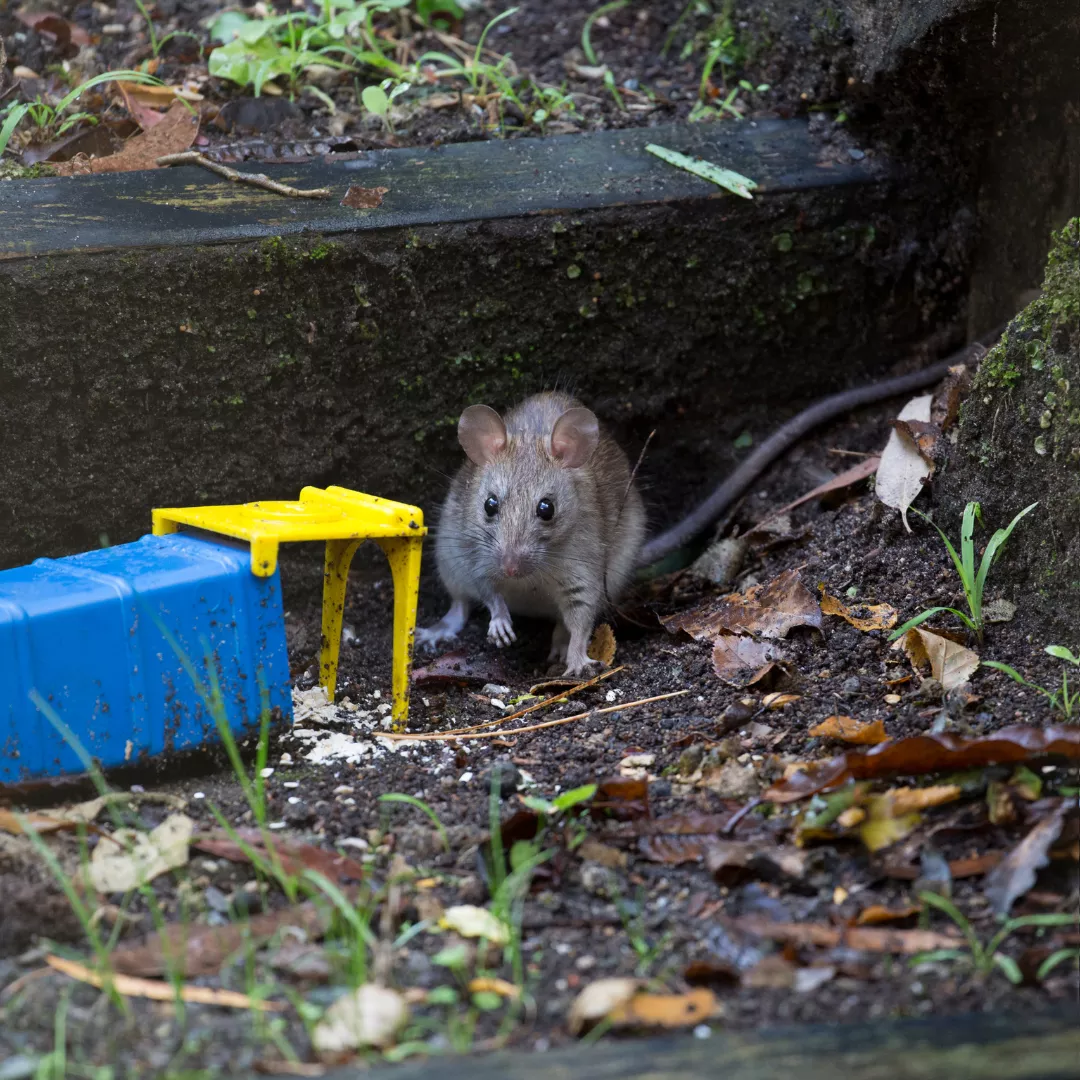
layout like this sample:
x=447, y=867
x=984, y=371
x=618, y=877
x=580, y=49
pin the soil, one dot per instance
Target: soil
x=583, y=920
x=655, y=54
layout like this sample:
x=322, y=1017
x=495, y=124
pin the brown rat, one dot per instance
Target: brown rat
x=544, y=519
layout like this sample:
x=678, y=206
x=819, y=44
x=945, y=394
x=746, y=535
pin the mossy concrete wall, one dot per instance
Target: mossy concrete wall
x=237, y=371
x=1019, y=442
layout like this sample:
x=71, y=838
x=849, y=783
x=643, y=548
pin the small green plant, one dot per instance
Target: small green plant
x=1063, y=700
x=631, y=914
x=985, y=958
x=50, y=117
x=586, y=30
x=376, y=99
x=158, y=43
x=974, y=583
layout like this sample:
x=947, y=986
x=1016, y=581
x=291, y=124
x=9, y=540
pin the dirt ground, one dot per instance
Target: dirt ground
x=655, y=53
x=611, y=900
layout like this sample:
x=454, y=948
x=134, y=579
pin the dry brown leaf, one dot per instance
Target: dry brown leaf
x=173, y=134
x=848, y=729
x=951, y=663
x=45, y=821
x=865, y=468
x=1016, y=873
x=739, y=660
x=364, y=198
x=878, y=913
x=494, y=986
x=130, y=986
x=919, y=754
x=770, y=610
x=865, y=938
x=157, y=97
x=876, y=617
x=778, y=701
x=597, y=1000
x=665, y=1010
x=903, y=470
x=911, y=800
x=602, y=646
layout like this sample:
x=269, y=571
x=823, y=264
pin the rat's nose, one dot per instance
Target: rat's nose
x=511, y=564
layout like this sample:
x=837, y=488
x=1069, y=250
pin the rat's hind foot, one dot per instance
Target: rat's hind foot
x=446, y=629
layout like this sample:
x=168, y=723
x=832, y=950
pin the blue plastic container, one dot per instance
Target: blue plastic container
x=91, y=635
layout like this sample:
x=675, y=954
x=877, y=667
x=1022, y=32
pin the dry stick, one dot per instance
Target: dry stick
x=193, y=157
x=540, y=704
x=451, y=735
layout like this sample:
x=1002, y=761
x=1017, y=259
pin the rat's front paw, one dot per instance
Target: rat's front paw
x=501, y=631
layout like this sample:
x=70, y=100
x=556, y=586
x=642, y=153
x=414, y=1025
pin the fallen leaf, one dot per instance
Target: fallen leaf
x=156, y=95
x=848, y=729
x=775, y=675
x=770, y=610
x=292, y=858
x=778, y=701
x=130, y=986
x=1016, y=873
x=622, y=798
x=370, y=1015
x=867, y=467
x=975, y=866
x=730, y=860
x=725, y=178
x=865, y=938
x=738, y=660
x=67, y=37
x=456, y=669
x=919, y=754
x=364, y=198
x=883, y=827
x=878, y=913
x=494, y=986
x=911, y=800
x=128, y=858
x=951, y=663
x=602, y=646
x=193, y=951
x=46, y=821
x=947, y=399
x=471, y=921
x=592, y=850
x=903, y=470
x=869, y=616
x=665, y=1010
x=597, y=1000
x=143, y=115
x=172, y=135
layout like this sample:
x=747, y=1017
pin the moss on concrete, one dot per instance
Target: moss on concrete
x=1019, y=441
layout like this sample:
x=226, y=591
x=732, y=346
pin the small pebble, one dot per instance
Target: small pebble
x=291, y=784
x=267, y=772
x=198, y=795
x=702, y=1031
x=465, y=777
x=277, y=824
x=293, y=800
x=285, y=759
x=495, y=690
x=137, y=789
x=856, y=155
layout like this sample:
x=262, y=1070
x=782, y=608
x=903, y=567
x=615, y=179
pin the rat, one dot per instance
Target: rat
x=543, y=519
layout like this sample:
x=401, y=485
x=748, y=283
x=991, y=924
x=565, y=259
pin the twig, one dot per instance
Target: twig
x=193, y=157
x=540, y=704
x=452, y=735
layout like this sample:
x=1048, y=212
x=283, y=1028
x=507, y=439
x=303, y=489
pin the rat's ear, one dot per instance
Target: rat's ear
x=481, y=433
x=574, y=438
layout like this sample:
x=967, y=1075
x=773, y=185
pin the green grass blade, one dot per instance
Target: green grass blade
x=967, y=544
x=586, y=32
x=922, y=617
x=1009, y=968
x=10, y=124
x=995, y=545
x=1056, y=958
x=725, y=178
x=108, y=76
x=411, y=800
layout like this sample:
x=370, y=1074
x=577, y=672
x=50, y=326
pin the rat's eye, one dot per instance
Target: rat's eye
x=491, y=505
x=545, y=509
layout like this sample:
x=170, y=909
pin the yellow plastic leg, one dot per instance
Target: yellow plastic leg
x=339, y=555
x=404, y=556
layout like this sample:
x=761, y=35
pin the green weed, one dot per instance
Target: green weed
x=985, y=957
x=973, y=582
x=1062, y=700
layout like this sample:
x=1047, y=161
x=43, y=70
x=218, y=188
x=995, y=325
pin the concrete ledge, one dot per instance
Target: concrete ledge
x=168, y=338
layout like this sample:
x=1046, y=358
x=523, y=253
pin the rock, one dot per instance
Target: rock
x=732, y=781
x=1018, y=442
x=506, y=774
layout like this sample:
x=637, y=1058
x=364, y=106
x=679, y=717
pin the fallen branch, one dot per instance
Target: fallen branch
x=193, y=157
x=540, y=704
x=470, y=734
x=130, y=986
